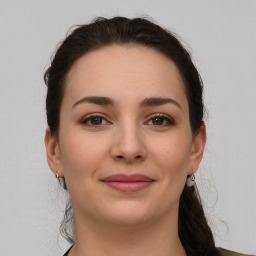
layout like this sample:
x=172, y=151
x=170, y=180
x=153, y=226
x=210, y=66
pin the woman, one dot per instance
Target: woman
x=126, y=136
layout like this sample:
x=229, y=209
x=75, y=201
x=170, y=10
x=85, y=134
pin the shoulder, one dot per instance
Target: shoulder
x=225, y=252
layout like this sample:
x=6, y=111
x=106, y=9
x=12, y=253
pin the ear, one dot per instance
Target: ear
x=197, y=150
x=53, y=153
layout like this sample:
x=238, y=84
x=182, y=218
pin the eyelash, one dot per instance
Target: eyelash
x=165, y=118
x=169, y=121
x=84, y=121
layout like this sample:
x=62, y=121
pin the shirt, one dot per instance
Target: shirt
x=223, y=252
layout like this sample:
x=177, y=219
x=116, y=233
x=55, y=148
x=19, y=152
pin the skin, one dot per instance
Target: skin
x=126, y=138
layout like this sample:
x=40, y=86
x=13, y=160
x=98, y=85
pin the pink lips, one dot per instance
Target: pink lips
x=128, y=183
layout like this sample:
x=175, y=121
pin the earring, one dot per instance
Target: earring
x=62, y=181
x=192, y=177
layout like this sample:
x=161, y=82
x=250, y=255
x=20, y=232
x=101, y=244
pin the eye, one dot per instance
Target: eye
x=160, y=120
x=94, y=120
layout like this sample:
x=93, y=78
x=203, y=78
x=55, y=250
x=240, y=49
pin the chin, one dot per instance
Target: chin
x=128, y=214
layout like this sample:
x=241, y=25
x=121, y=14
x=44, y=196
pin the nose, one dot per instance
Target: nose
x=129, y=145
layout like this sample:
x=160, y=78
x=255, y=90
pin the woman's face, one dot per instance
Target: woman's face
x=124, y=113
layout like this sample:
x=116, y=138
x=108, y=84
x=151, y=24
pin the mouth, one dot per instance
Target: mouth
x=128, y=183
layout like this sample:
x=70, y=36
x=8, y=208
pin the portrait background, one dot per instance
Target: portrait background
x=221, y=36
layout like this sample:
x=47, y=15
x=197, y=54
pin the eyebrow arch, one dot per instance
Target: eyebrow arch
x=104, y=101
x=148, y=102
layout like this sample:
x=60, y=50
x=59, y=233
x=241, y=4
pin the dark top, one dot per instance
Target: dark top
x=223, y=252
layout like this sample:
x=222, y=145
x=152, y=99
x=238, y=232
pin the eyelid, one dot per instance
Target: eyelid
x=168, y=118
x=89, y=116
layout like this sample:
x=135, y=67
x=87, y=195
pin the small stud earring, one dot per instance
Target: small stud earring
x=192, y=177
x=62, y=181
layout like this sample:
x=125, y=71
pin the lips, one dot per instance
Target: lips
x=128, y=183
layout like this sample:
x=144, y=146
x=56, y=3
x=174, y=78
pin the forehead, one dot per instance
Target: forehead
x=123, y=70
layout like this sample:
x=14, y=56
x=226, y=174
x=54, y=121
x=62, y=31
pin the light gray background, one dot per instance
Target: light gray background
x=222, y=36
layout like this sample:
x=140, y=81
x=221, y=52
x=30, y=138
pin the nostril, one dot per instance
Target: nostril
x=122, y=157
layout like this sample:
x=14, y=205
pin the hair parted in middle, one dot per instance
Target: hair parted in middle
x=194, y=231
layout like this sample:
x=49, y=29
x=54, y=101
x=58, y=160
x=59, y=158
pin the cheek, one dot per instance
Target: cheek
x=173, y=152
x=81, y=155
x=171, y=158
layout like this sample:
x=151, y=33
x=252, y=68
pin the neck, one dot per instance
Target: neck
x=153, y=238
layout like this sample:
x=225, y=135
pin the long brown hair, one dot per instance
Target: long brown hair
x=194, y=231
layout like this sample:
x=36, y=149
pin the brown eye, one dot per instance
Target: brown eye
x=161, y=120
x=158, y=121
x=94, y=121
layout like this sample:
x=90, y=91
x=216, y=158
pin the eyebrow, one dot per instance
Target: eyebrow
x=105, y=101
x=148, y=102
